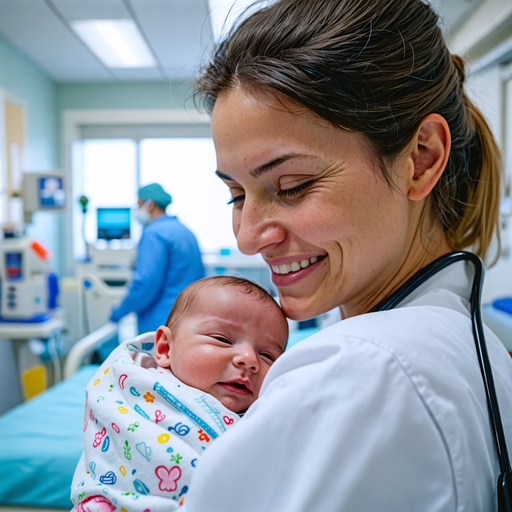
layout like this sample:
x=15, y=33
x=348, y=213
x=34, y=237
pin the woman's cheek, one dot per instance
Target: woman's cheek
x=317, y=223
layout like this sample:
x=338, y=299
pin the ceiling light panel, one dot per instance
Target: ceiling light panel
x=117, y=43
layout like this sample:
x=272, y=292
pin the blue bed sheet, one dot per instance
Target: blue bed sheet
x=40, y=444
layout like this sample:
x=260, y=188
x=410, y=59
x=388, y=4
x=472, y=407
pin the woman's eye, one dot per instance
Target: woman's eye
x=236, y=199
x=291, y=192
x=268, y=356
x=220, y=338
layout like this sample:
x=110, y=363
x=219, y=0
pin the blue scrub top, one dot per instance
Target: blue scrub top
x=168, y=260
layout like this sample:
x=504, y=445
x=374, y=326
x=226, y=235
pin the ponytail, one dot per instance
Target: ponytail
x=467, y=197
x=479, y=218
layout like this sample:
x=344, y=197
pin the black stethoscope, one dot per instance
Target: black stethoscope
x=505, y=478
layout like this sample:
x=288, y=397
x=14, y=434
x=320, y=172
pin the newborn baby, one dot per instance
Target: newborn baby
x=160, y=400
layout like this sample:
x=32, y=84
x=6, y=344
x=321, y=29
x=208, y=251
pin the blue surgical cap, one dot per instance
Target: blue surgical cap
x=157, y=194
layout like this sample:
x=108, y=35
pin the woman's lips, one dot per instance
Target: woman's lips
x=291, y=277
x=232, y=387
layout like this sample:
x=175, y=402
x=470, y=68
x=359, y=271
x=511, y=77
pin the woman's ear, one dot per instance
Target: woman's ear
x=163, y=346
x=430, y=152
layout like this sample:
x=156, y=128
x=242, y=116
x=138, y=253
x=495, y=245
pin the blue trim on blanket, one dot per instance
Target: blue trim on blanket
x=184, y=409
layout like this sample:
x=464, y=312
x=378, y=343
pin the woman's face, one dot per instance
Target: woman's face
x=309, y=199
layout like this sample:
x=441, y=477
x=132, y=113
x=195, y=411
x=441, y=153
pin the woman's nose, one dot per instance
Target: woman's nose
x=246, y=358
x=256, y=229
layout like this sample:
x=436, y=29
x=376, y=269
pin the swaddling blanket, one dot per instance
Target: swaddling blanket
x=144, y=432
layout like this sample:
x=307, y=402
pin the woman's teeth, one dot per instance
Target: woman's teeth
x=286, y=268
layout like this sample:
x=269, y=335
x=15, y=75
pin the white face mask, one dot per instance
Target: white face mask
x=142, y=215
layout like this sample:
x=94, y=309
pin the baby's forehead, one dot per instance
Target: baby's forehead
x=234, y=303
x=232, y=296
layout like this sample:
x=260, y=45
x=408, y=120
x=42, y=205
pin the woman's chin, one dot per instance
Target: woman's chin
x=300, y=309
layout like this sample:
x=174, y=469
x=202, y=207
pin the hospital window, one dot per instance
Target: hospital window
x=106, y=173
x=110, y=171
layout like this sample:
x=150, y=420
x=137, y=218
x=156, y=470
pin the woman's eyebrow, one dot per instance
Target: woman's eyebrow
x=267, y=167
x=262, y=169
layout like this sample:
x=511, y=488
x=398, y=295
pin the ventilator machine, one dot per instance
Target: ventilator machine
x=28, y=289
x=31, y=324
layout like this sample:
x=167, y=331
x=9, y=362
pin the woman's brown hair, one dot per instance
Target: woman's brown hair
x=379, y=68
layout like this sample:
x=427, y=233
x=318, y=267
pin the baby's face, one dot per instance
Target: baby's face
x=226, y=346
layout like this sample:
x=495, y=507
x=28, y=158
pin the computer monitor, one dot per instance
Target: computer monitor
x=113, y=223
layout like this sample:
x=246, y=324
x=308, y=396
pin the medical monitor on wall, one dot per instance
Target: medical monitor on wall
x=113, y=223
x=51, y=192
x=44, y=192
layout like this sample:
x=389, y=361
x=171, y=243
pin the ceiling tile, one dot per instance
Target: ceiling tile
x=35, y=30
x=178, y=32
x=92, y=9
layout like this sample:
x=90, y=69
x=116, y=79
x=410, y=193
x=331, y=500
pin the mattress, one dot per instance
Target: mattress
x=40, y=444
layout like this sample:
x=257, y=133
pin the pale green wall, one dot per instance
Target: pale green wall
x=26, y=82
x=123, y=95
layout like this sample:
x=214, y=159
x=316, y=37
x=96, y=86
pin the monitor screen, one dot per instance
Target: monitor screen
x=113, y=223
x=51, y=192
x=13, y=266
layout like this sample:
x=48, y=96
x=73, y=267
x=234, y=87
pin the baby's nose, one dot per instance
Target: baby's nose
x=247, y=359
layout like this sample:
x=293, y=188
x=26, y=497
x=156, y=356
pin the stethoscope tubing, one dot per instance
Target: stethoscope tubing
x=481, y=347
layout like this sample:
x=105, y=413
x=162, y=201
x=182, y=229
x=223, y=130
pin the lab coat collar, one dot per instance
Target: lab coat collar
x=456, y=278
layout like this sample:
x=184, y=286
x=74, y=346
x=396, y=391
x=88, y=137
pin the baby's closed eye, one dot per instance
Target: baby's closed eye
x=221, y=338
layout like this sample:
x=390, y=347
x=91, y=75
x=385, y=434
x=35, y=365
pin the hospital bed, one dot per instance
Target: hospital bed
x=41, y=440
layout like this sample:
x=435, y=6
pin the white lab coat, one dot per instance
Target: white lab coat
x=384, y=412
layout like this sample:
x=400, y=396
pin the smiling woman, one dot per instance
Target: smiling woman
x=314, y=195
x=354, y=159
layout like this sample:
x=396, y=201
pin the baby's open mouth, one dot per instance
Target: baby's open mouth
x=236, y=387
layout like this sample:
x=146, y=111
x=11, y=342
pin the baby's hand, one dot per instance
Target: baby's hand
x=94, y=504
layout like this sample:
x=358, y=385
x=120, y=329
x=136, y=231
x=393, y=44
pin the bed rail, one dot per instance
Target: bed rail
x=85, y=347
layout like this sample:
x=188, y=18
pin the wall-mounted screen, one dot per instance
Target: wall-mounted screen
x=113, y=223
x=51, y=192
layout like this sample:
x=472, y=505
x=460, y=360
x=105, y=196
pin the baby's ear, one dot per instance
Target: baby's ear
x=162, y=346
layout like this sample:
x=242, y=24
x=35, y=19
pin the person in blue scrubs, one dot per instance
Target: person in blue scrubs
x=168, y=260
